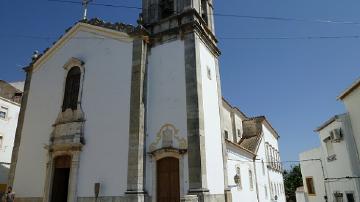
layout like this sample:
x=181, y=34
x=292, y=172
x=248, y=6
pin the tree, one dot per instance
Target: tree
x=292, y=180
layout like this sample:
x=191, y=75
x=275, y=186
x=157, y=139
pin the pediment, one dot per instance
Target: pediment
x=72, y=33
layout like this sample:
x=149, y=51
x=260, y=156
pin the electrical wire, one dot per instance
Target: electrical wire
x=272, y=18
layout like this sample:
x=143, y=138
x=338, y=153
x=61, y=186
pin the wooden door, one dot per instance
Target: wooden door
x=60, y=182
x=168, y=180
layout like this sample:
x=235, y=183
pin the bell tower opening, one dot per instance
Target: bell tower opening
x=166, y=8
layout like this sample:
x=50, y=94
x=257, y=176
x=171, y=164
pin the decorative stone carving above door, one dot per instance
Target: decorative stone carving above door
x=168, y=137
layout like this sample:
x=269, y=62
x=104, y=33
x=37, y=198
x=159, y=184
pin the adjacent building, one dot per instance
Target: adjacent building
x=332, y=171
x=129, y=113
x=10, y=98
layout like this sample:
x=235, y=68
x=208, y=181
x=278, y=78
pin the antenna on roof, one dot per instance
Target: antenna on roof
x=85, y=4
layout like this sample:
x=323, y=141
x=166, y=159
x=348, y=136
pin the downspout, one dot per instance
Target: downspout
x=256, y=181
x=323, y=172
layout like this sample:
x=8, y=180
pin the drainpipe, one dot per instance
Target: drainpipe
x=256, y=181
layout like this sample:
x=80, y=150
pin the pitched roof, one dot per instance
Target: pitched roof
x=120, y=27
x=349, y=90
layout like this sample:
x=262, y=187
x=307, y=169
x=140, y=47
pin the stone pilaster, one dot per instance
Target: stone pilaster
x=72, y=197
x=195, y=121
x=135, y=179
x=227, y=191
x=19, y=128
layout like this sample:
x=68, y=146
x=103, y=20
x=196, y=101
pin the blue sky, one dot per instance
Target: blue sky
x=293, y=82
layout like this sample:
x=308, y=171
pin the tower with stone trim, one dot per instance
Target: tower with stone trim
x=182, y=102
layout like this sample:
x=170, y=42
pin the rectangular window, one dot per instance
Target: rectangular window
x=239, y=133
x=263, y=166
x=350, y=197
x=339, y=197
x=1, y=142
x=226, y=135
x=3, y=112
x=266, y=192
x=310, y=185
x=251, y=181
x=238, y=178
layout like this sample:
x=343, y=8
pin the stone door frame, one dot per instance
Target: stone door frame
x=73, y=177
x=167, y=153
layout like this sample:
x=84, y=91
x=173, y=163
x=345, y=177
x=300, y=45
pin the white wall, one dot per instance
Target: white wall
x=105, y=102
x=274, y=177
x=352, y=105
x=212, y=128
x=313, y=169
x=239, y=158
x=7, y=132
x=166, y=101
x=341, y=166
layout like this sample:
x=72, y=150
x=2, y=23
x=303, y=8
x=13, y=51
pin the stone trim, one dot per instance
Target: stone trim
x=227, y=191
x=73, y=177
x=135, y=179
x=195, y=114
x=19, y=128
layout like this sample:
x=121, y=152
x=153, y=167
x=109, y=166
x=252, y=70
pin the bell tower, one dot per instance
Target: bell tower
x=183, y=93
x=167, y=17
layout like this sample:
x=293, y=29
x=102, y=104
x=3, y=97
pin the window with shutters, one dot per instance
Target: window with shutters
x=72, y=87
x=310, y=185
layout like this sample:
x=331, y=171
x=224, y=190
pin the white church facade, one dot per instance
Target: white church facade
x=124, y=113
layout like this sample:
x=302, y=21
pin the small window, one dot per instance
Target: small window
x=263, y=166
x=1, y=142
x=350, y=197
x=266, y=192
x=310, y=185
x=251, y=181
x=237, y=178
x=239, y=132
x=3, y=112
x=339, y=197
x=209, y=73
x=226, y=134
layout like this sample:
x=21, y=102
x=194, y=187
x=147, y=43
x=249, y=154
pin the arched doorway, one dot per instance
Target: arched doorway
x=168, y=180
x=60, y=182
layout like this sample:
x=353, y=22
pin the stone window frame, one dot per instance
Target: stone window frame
x=74, y=62
x=238, y=172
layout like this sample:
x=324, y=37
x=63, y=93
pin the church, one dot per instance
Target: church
x=113, y=112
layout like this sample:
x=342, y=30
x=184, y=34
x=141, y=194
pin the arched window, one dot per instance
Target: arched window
x=72, y=87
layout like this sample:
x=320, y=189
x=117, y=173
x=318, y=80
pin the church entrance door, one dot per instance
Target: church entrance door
x=168, y=180
x=60, y=181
